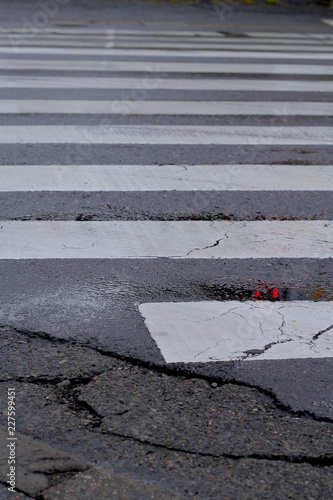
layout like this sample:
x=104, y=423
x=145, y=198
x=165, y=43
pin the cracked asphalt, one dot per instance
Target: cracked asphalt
x=99, y=413
x=91, y=425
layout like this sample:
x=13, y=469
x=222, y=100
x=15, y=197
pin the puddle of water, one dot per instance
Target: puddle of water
x=322, y=291
x=269, y=292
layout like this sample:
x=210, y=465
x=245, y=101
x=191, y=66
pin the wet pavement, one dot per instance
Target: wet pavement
x=99, y=412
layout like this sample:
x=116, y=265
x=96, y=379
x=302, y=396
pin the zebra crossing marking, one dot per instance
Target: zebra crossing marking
x=166, y=67
x=228, y=51
x=168, y=134
x=102, y=39
x=169, y=239
x=284, y=36
x=210, y=331
x=165, y=178
x=63, y=82
x=145, y=107
x=329, y=22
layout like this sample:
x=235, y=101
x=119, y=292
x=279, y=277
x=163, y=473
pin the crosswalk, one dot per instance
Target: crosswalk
x=165, y=178
x=63, y=82
x=138, y=172
x=212, y=68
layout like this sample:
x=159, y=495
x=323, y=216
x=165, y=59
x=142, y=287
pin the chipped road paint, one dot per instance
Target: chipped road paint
x=165, y=177
x=192, y=332
x=170, y=239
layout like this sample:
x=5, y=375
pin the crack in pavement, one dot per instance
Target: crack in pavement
x=179, y=372
x=320, y=461
x=282, y=323
x=217, y=242
x=257, y=352
x=219, y=315
x=120, y=426
x=317, y=335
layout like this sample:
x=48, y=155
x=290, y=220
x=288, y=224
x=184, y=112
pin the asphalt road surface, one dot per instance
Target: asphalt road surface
x=166, y=249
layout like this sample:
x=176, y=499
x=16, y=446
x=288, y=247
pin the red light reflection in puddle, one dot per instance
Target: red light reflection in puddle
x=271, y=294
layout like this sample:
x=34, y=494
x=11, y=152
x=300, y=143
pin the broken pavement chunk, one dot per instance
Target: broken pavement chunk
x=105, y=485
x=35, y=461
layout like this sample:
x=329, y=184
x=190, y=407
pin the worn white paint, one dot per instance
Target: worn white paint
x=200, y=332
x=111, y=32
x=186, y=36
x=114, y=32
x=166, y=67
x=178, y=240
x=328, y=21
x=136, y=47
x=58, y=40
x=164, y=134
x=166, y=177
x=285, y=36
x=155, y=49
x=145, y=107
x=141, y=85
x=54, y=37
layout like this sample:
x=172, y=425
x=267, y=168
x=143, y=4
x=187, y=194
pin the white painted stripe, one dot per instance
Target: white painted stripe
x=86, y=31
x=54, y=37
x=108, y=47
x=285, y=36
x=169, y=239
x=49, y=40
x=328, y=21
x=217, y=51
x=168, y=67
x=63, y=82
x=163, y=32
x=200, y=332
x=218, y=46
x=208, y=36
x=166, y=177
x=215, y=108
x=138, y=46
x=142, y=33
x=168, y=134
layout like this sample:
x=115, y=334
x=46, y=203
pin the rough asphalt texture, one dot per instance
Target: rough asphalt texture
x=166, y=435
